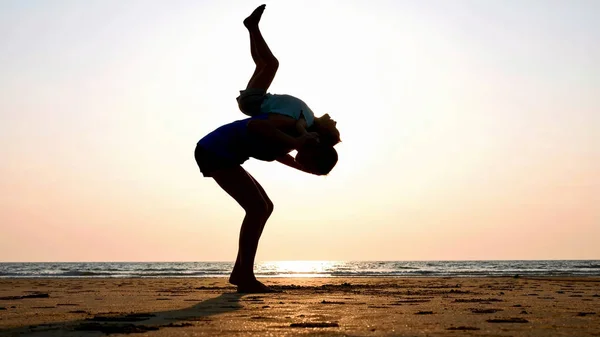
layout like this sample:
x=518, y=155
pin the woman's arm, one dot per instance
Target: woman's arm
x=270, y=129
x=301, y=128
x=291, y=162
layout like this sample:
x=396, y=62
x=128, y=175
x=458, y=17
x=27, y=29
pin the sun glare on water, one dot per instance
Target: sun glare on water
x=296, y=268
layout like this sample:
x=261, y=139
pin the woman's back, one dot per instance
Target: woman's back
x=233, y=141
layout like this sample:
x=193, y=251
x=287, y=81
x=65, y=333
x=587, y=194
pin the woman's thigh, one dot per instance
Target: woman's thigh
x=262, y=192
x=243, y=188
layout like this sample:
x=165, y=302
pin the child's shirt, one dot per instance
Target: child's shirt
x=287, y=105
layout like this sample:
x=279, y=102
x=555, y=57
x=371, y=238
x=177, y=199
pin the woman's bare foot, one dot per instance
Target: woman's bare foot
x=235, y=278
x=254, y=287
x=254, y=18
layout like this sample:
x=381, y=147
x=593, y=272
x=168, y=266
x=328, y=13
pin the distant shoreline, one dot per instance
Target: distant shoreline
x=320, y=269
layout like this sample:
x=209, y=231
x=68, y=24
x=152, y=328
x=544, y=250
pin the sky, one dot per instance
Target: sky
x=470, y=129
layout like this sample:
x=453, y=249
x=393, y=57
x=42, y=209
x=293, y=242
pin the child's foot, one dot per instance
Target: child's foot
x=254, y=18
x=254, y=287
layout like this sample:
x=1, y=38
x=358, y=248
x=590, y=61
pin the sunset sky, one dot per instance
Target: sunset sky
x=470, y=129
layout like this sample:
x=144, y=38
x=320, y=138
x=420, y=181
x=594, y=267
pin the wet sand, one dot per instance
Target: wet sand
x=306, y=306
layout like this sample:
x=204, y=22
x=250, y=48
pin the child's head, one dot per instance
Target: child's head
x=327, y=130
x=319, y=159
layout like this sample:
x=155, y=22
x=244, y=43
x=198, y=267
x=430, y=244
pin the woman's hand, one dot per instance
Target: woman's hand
x=290, y=161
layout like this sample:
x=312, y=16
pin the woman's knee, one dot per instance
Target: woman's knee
x=259, y=209
x=270, y=207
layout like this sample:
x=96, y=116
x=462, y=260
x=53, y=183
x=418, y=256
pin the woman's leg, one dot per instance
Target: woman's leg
x=270, y=205
x=237, y=183
x=265, y=61
x=234, y=279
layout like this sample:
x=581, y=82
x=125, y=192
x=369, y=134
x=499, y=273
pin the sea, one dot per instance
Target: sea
x=304, y=269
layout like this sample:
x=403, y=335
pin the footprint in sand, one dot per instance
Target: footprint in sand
x=508, y=320
x=122, y=318
x=22, y=297
x=315, y=325
x=485, y=311
x=582, y=314
x=463, y=328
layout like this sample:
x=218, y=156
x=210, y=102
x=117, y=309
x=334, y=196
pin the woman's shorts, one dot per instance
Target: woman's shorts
x=250, y=101
x=210, y=162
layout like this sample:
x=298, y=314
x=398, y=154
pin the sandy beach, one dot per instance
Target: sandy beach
x=305, y=306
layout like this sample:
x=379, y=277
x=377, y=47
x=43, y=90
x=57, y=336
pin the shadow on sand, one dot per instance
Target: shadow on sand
x=134, y=322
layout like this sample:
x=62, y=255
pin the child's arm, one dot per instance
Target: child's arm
x=291, y=162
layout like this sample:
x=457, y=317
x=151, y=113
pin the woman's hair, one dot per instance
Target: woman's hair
x=320, y=158
x=331, y=137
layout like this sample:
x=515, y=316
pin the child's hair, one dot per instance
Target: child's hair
x=320, y=159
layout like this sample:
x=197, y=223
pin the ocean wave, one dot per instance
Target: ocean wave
x=588, y=266
x=187, y=274
x=161, y=269
x=83, y=273
x=381, y=273
x=406, y=268
x=9, y=274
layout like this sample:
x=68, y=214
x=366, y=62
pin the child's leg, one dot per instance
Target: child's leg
x=250, y=22
x=265, y=61
x=239, y=185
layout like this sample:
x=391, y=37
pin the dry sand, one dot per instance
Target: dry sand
x=306, y=307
